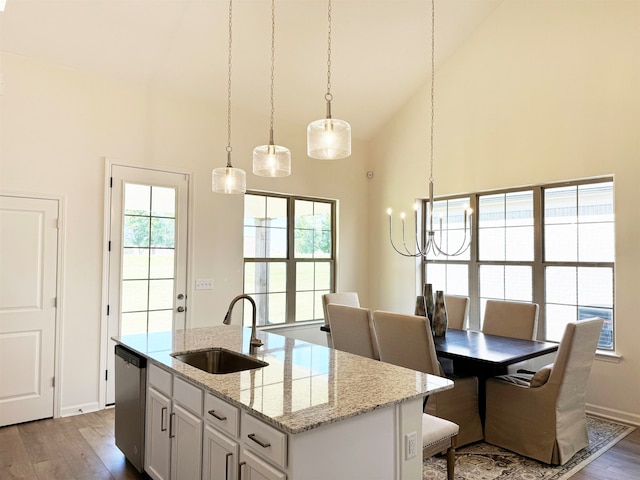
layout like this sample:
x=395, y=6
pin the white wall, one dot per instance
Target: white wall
x=543, y=91
x=58, y=125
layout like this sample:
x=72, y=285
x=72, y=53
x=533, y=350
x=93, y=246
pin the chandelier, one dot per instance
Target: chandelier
x=431, y=245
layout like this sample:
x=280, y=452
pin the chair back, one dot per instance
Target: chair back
x=406, y=340
x=574, y=359
x=352, y=330
x=511, y=319
x=341, y=298
x=457, y=311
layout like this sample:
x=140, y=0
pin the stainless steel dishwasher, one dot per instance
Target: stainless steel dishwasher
x=130, y=394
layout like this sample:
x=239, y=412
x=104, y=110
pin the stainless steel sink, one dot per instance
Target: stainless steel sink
x=219, y=360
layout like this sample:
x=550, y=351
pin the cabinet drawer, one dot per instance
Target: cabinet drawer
x=187, y=395
x=263, y=439
x=221, y=414
x=160, y=379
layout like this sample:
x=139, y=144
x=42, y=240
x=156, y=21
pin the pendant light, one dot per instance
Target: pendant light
x=229, y=179
x=272, y=160
x=329, y=138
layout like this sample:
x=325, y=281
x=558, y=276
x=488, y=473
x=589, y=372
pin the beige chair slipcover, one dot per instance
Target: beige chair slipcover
x=352, y=330
x=341, y=298
x=511, y=319
x=548, y=422
x=406, y=340
x=457, y=311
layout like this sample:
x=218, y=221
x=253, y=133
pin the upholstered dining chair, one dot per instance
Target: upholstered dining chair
x=545, y=418
x=406, y=340
x=352, y=330
x=511, y=319
x=439, y=436
x=341, y=298
x=457, y=311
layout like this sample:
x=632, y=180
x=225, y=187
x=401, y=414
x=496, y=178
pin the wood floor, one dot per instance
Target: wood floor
x=83, y=448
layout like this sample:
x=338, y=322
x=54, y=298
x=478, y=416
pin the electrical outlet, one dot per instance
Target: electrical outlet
x=411, y=445
x=204, y=284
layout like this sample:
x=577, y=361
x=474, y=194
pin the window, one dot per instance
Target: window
x=552, y=245
x=289, y=256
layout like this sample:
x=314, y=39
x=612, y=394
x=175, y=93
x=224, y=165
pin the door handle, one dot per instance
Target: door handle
x=226, y=468
x=181, y=309
x=171, y=433
x=163, y=419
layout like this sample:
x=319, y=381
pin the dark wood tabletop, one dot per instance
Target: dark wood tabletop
x=490, y=351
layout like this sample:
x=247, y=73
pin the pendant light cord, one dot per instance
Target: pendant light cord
x=229, y=90
x=328, y=97
x=433, y=76
x=273, y=61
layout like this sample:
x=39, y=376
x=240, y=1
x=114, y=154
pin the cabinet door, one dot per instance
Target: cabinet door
x=186, y=447
x=254, y=468
x=219, y=456
x=157, y=441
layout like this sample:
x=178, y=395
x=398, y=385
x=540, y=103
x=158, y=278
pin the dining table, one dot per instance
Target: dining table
x=478, y=354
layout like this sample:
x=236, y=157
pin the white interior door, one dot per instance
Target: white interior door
x=147, y=256
x=28, y=286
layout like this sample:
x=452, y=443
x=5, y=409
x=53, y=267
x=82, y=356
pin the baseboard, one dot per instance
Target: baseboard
x=613, y=414
x=79, y=409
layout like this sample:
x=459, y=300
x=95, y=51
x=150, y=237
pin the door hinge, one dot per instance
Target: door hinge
x=107, y=310
x=53, y=381
x=110, y=182
x=109, y=246
x=106, y=375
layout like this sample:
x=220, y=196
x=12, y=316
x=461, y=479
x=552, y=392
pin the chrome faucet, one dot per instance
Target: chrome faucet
x=255, y=342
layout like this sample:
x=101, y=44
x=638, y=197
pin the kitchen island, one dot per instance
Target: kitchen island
x=311, y=413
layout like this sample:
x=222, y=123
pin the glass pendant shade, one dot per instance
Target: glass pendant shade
x=329, y=139
x=271, y=161
x=229, y=180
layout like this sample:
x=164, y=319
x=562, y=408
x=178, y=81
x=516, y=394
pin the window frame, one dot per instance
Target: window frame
x=291, y=261
x=539, y=264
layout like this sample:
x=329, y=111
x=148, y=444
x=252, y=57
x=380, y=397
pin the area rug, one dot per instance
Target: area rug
x=481, y=461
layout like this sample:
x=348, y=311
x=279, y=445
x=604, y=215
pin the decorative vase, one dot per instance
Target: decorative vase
x=427, y=292
x=420, y=306
x=439, y=323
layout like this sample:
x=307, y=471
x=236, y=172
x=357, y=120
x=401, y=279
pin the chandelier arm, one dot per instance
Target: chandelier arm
x=408, y=253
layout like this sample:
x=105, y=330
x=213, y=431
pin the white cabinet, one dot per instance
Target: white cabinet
x=219, y=456
x=253, y=467
x=173, y=427
x=186, y=452
x=157, y=441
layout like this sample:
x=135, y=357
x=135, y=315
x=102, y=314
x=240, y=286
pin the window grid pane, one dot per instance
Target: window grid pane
x=572, y=226
x=267, y=221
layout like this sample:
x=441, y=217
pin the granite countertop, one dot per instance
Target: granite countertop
x=304, y=386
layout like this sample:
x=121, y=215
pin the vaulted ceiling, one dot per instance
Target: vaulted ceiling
x=380, y=48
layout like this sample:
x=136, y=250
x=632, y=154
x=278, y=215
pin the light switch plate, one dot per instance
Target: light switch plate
x=204, y=284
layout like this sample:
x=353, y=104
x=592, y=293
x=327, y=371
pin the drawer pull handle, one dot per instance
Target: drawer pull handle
x=218, y=416
x=253, y=437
